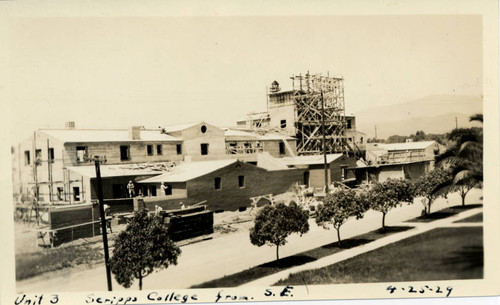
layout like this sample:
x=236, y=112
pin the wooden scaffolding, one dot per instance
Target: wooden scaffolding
x=315, y=94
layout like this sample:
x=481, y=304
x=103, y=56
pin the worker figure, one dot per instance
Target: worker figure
x=108, y=217
x=164, y=188
x=130, y=188
x=182, y=205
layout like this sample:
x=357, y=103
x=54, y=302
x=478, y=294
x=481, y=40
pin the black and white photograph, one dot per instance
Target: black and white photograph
x=169, y=153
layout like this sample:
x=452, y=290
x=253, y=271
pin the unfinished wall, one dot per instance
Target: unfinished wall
x=184, y=226
x=72, y=223
x=273, y=148
x=138, y=152
x=113, y=186
x=24, y=172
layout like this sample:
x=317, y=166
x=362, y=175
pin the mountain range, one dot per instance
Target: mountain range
x=432, y=114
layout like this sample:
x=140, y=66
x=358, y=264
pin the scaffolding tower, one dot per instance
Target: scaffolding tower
x=313, y=95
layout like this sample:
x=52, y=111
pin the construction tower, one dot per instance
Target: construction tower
x=313, y=95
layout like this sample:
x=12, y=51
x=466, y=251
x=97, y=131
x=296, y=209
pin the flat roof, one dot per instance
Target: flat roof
x=238, y=134
x=310, y=160
x=361, y=166
x=406, y=145
x=106, y=135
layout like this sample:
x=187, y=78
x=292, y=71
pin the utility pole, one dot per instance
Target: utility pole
x=375, y=132
x=98, y=160
x=456, y=123
x=324, y=141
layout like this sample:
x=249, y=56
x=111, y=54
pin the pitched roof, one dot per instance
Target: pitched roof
x=270, y=163
x=406, y=145
x=105, y=135
x=189, y=170
x=310, y=160
x=179, y=127
x=118, y=170
x=238, y=134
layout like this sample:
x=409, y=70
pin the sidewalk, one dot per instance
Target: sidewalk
x=346, y=254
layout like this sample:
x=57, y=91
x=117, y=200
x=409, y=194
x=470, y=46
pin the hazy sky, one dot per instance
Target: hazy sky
x=118, y=72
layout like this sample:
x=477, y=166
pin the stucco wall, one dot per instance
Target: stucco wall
x=193, y=138
x=273, y=148
x=138, y=152
x=230, y=197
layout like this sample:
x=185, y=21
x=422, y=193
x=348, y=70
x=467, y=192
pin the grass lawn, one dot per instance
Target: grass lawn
x=440, y=254
x=298, y=259
x=474, y=218
x=36, y=263
x=444, y=213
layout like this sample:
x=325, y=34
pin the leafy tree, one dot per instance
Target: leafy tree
x=396, y=139
x=273, y=224
x=432, y=186
x=143, y=247
x=339, y=206
x=419, y=136
x=463, y=189
x=390, y=194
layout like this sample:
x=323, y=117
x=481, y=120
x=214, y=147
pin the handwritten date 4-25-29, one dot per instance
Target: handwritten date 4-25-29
x=425, y=289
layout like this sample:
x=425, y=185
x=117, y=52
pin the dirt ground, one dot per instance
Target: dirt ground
x=224, y=223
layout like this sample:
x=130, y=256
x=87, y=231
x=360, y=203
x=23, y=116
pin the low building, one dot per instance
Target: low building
x=381, y=172
x=389, y=153
x=339, y=168
x=221, y=184
x=245, y=145
x=409, y=160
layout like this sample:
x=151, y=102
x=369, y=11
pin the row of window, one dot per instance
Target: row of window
x=81, y=151
x=38, y=156
x=218, y=182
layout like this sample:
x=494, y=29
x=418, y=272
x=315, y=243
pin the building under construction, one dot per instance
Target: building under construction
x=313, y=112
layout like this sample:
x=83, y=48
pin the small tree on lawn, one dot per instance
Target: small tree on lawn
x=273, y=224
x=143, y=247
x=463, y=189
x=338, y=207
x=432, y=186
x=390, y=194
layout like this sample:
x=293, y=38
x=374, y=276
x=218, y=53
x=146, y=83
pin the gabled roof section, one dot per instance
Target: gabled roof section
x=180, y=127
x=309, y=160
x=406, y=146
x=120, y=170
x=189, y=170
x=268, y=162
x=106, y=135
x=242, y=135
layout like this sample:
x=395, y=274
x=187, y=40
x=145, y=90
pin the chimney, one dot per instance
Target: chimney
x=69, y=125
x=134, y=132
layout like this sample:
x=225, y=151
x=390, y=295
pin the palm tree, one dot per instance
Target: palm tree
x=464, y=159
